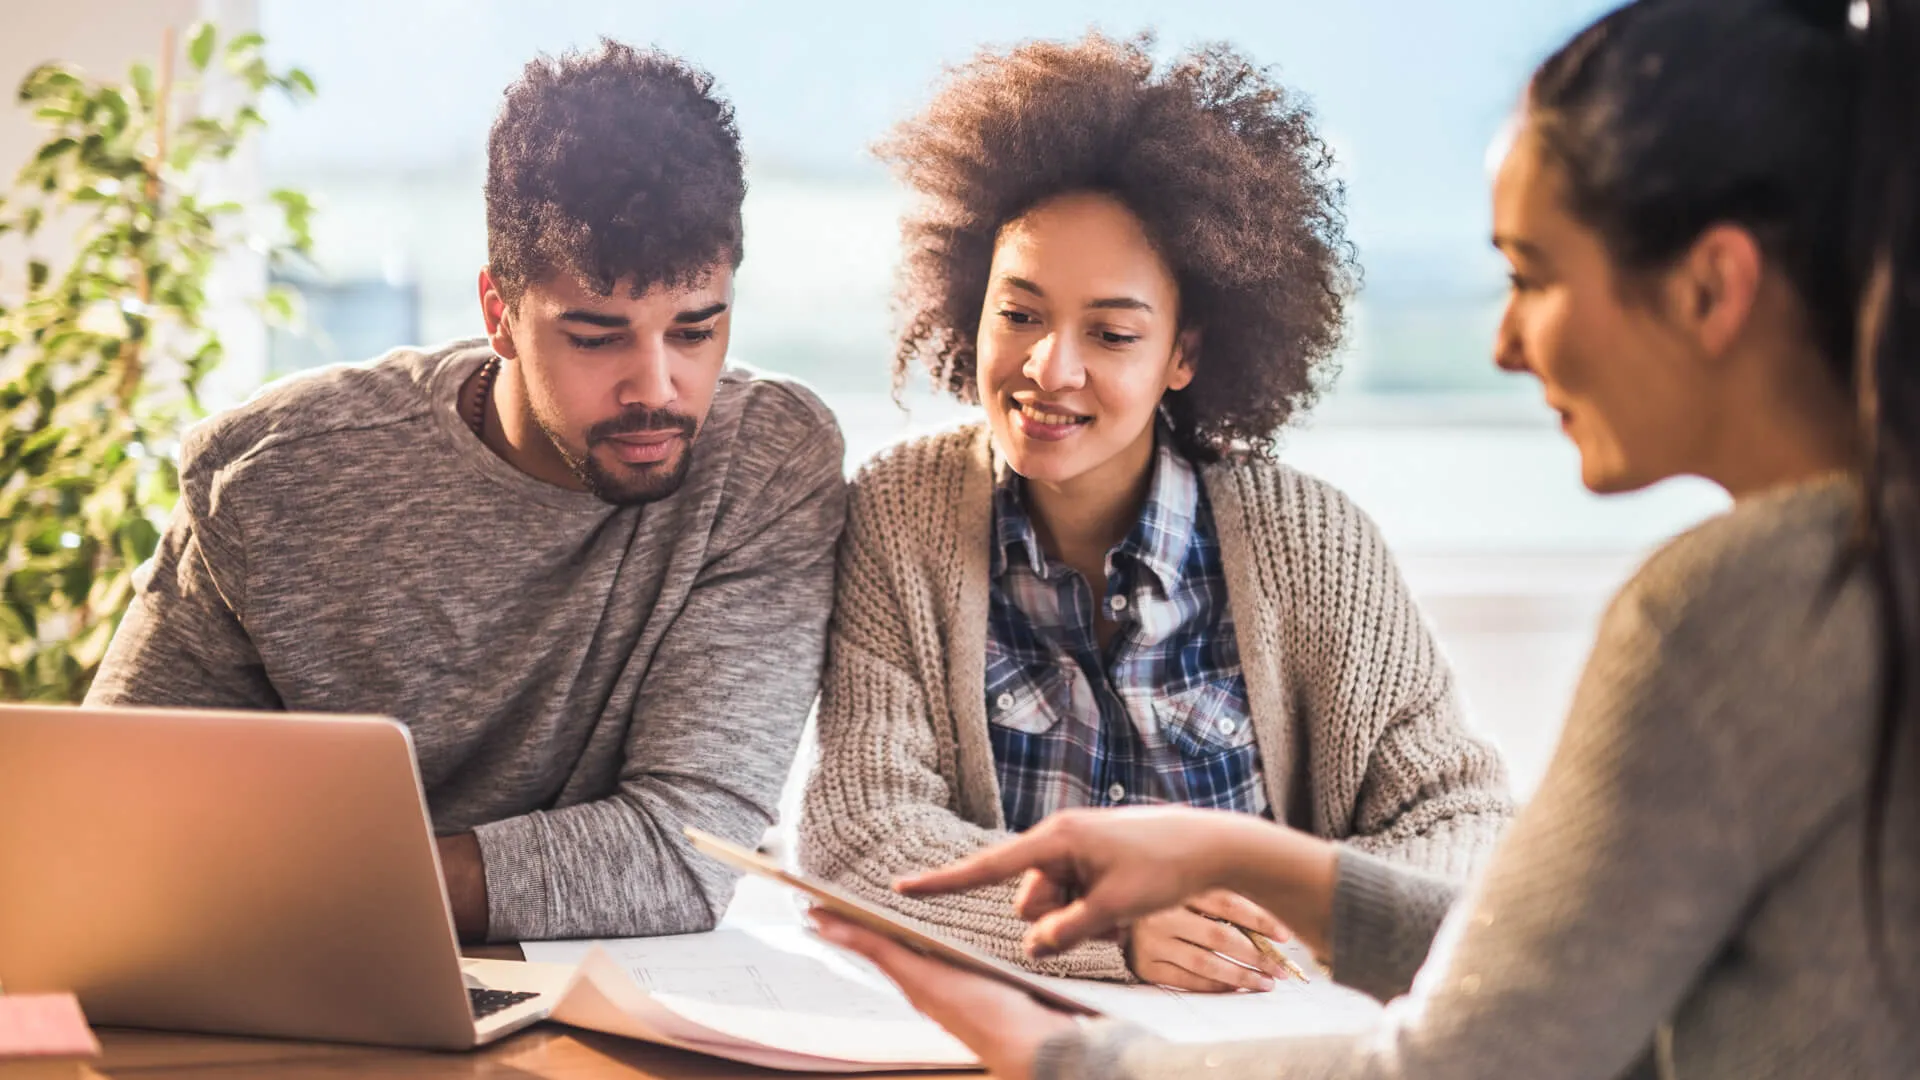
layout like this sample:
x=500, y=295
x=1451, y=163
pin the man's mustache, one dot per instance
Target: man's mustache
x=643, y=422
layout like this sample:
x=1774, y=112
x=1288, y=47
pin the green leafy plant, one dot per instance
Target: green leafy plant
x=102, y=356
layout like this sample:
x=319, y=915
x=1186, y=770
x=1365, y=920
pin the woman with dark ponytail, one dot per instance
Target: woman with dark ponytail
x=1712, y=212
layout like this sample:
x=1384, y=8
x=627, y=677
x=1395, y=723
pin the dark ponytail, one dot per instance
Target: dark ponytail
x=1798, y=120
x=1885, y=243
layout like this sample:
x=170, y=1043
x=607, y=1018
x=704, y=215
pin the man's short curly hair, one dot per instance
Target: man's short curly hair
x=1217, y=159
x=614, y=164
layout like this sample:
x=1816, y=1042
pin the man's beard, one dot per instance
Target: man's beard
x=624, y=484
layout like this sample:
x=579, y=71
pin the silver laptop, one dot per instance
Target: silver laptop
x=238, y=873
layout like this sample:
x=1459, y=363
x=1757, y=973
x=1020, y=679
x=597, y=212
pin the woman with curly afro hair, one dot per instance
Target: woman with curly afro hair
x=1109, y=593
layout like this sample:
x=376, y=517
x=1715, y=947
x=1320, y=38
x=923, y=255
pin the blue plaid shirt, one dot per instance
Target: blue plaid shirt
x=1160, y=715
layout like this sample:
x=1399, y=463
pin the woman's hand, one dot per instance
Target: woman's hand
x=1001, y=1025
x=1190, y=948
x=1088, y=873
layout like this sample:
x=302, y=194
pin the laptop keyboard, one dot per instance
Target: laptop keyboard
x=488, y=1002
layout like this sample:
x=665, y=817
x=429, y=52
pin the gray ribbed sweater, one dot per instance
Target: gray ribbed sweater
x=1683, y=896
x=581, y=680
x=1354, y=707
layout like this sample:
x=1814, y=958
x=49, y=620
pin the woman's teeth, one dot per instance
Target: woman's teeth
x=1042, y=417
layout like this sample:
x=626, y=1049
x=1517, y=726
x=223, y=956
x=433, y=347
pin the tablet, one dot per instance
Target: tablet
x=885, y=923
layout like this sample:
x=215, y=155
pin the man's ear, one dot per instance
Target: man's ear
x=494, y=310
x=1186, y=358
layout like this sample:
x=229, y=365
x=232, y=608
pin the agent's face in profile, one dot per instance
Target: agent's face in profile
x=1622, y=381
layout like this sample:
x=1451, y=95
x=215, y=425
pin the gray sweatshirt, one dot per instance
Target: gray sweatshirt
x=1683, y=897
x=580, y=679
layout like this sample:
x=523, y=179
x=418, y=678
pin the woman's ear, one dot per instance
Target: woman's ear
x=1716, y=286
x=1186, y=355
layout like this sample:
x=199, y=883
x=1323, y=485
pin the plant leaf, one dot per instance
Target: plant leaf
x=243, y=43
x=200, y=46
x=116, y=105
x=140, y=77
x=47, y=80
x=279, y=304
x=55, y=148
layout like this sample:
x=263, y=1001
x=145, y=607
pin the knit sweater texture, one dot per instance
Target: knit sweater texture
x=1683, y=897
x=1358, y=721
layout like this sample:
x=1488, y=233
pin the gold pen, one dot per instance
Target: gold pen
x=1270, y=951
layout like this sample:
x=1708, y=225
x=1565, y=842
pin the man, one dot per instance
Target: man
x=587, y=566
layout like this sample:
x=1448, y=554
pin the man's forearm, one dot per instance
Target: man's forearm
x=465, y=875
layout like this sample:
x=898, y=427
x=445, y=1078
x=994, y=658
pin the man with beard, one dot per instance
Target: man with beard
x=588, y=565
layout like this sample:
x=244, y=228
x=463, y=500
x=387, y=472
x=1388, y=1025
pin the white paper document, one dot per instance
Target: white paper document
x=1320, y=1007
x=771, y=996
x=775, y=996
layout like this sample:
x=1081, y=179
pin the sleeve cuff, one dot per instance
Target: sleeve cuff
x=1091, y=1052
x=1385, y=917
x=516, y=865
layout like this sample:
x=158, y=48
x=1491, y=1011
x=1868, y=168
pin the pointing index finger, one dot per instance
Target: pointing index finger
x=989, y=867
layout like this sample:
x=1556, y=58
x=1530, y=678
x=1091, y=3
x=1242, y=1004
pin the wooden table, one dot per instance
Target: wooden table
x=545, y=1051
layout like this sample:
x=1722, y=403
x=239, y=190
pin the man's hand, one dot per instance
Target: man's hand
x=466, y=879
x=1184, y=947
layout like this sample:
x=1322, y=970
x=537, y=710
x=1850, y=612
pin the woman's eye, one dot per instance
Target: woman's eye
x=1112, y=337
x=1018, y=318
x=1518, y=282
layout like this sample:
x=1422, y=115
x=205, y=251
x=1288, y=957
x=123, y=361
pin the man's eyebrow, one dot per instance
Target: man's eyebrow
x=595, y=318
x=702, y=315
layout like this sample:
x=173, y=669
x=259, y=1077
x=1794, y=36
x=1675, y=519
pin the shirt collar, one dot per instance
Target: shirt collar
x=1013, y=534
x=1159, y=540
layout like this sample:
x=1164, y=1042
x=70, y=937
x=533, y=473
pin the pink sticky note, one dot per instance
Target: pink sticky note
x=44, y=1026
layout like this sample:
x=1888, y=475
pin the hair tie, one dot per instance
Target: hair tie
x=1847, y=16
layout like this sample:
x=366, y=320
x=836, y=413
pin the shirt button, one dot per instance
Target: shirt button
x=1118, y=603
x=1228, y=727
x=1116, y=793
x=1005, y=701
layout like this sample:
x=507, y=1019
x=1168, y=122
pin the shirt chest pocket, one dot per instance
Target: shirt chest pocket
x=1208, y=718
x=1033, y=697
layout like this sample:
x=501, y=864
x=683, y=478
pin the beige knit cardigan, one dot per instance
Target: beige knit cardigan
x=1354, y=708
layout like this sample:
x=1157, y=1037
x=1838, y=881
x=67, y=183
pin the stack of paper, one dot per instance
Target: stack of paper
x=774, y=996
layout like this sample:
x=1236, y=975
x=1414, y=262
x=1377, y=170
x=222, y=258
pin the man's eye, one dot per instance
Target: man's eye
x=593, y=342
x=697, y=336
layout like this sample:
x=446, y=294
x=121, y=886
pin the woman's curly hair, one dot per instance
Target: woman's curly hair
x=1217, y=159
x=616, y=164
